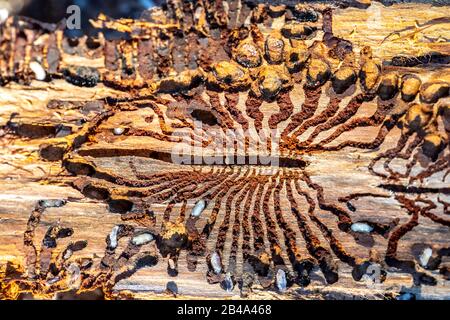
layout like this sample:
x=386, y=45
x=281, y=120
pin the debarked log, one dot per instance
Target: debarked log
x=228, y=149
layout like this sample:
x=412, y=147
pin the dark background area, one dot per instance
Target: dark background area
x=54, y=11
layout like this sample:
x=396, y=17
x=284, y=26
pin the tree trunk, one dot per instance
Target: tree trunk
x=315, y=141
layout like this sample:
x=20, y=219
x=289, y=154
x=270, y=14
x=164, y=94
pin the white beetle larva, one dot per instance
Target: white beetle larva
x=171, y=263
x=53, y=280
x=281, y=281
x=52, y=203
x=406, y=296
x=74, y=280
x=118, y=131
x=228, y=282
x=198, y=208
x=4, y=13
x=361, y=227
x=67, y=254
x=113, y=237
x=216, y=263
x=38, y=70
x=142, y=239
x=425, y=256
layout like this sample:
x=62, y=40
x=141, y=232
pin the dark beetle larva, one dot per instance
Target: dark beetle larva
x=410, y=87
x=297, y=56
x=343, y=78
x=388, y=87
x=370, y=71
x=271, y=80
x=274, y=48
x=303, y=14
x=417, y=117
x=228, y=75
x=247, y=54
x=432, y=92
x=82, y=76
x=318, y=72
x=433, y=144
x=298, y=30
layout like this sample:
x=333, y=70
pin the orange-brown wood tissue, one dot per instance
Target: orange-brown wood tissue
x=353, y=200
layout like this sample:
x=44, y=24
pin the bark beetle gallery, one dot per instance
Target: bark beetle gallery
x=346, y=119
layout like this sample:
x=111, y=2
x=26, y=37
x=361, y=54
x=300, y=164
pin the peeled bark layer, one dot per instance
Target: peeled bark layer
x=234, y=149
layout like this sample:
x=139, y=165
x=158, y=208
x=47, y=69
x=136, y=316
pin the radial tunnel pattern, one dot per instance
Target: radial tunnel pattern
x=233, y=67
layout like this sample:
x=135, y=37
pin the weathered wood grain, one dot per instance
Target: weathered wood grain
x=26, y=178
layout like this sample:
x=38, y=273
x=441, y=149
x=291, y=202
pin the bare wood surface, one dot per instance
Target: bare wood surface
x=329, y=173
